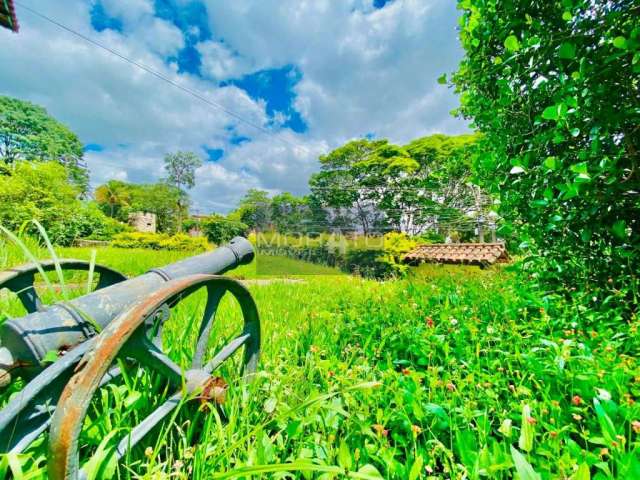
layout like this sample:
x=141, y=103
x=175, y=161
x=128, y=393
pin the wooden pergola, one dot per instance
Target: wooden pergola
x=481, y=254
x=8, y=16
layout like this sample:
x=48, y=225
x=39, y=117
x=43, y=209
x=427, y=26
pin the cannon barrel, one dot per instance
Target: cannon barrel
x=25, y=341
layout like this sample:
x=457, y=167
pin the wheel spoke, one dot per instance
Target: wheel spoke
x=148, y=354
x=29, y=410
x=213, y=300
x=140, y=430
x=228, y=350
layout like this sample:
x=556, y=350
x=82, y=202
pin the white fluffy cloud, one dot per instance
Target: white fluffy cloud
x=363, y=70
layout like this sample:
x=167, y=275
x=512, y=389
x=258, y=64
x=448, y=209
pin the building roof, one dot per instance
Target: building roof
x=8, y=15
x=470, y=253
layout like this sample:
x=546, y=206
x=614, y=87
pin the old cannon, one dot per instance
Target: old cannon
x=121, y=320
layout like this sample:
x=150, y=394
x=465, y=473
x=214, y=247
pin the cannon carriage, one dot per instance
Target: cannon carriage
x=121, y=320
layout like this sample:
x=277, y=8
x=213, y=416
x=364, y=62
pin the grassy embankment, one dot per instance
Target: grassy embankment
x=452, y=372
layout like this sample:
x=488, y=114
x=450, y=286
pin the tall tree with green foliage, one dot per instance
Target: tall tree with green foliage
x=408, y=188
x=181, y=169
x=28, y=132
x=115, y=195
x=340, y=184
x=554, y=87
x=254, y=210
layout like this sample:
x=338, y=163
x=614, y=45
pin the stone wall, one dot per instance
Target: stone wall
x=143, y=222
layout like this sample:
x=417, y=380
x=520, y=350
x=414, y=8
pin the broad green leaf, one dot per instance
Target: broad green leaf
x=619, y=229
x=442, y=79
x=270, y=405
x=524, y=468
x=567, y=51
x=527, y=432
x=583, y=473
x=511, y=43
x=581, y=167
x=550, y=113
x=416, y=468
x=620, y=42
x=344, y=456
x=103, y=463
x=566, y=16
x=606, y=425
x=50, y=357
x=551, y=163
x=548, y=193
x=367, y=472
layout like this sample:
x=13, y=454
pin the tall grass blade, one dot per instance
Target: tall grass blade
x=28, y=255
x=54, y=257
x=92, y=266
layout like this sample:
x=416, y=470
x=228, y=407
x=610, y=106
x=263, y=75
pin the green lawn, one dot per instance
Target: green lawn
x=450, y=373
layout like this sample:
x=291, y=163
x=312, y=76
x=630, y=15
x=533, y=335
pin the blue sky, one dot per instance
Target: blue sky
x=304, y=77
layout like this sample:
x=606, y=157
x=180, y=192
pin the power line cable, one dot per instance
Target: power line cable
x=160, y=76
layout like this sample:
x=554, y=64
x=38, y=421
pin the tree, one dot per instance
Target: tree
x=423, y=185
x=118, y=199
x=219, y=229
x=339, y=186
x=28, y=132
x=554, y=89
x=255, y=209
x=181, y=167
x=41, y=191
x=289, y=213
x=115, y=195
x=166, y=201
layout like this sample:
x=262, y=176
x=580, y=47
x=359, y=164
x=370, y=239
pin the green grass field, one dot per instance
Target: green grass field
x=453, y=372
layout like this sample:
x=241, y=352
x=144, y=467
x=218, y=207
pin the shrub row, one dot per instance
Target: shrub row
x=160, y=241
x=380, y=262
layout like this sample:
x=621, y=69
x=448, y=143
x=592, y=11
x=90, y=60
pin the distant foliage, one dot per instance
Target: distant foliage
x=117, y=199
x=554, y=87
x=376, y=257
x=28, y=132
x=373, y=186
x=41, y=191
x=181, y=168
x=219, y=229
x=160, y=241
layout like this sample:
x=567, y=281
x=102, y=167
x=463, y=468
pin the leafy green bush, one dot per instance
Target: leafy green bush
x=41, y=191
x=553, y=87
x=159, y=241
x=110, y=228
x=219, y=229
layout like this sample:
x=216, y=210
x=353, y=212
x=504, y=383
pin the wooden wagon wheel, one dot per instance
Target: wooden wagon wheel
x=126, y=337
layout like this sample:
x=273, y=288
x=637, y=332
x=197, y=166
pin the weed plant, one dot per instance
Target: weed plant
x=452, y=373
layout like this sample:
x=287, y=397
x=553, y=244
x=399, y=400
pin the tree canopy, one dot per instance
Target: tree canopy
x=423, y=185
x=28, y=132
x=117, y=199
x=554, y=88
